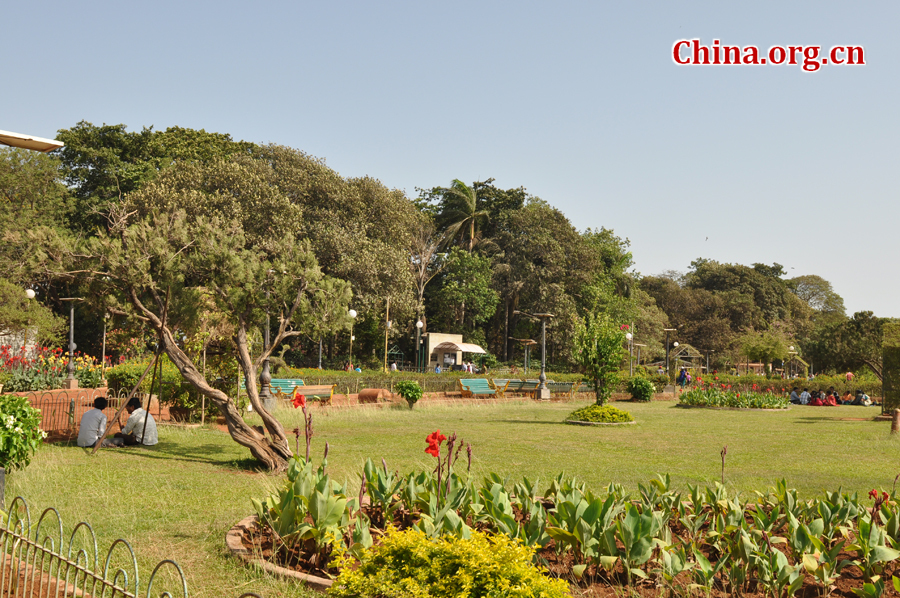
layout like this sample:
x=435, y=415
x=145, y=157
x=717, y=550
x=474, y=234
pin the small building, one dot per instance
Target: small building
x=447, y=350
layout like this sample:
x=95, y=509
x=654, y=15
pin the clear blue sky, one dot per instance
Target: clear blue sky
x=579, y=102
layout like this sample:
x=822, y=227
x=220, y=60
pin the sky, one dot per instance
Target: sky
x=581, y=103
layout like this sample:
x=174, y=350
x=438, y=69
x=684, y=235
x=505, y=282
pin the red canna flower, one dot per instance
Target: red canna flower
x=884, y=496
x=299, y=400
x=873, y=493
x=434, y=441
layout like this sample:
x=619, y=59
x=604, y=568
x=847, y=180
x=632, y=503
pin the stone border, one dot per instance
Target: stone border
x=679, y=405
x=576, y=422
x=237, y=550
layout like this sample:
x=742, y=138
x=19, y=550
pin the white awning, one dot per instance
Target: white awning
x=29, y=142
x=464, y=347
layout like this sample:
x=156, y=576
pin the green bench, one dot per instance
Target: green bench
x=280, y=385
x=476, y=387
x=561, y=388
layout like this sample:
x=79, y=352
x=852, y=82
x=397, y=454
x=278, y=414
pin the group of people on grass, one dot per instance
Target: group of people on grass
x=139, y=429
x=829, y=398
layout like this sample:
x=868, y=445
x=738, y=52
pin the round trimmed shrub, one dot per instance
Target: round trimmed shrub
x=606, y=414
x=409, y=563
x=640, y=388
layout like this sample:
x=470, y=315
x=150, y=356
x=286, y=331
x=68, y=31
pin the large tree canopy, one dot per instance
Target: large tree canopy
x=218, y=229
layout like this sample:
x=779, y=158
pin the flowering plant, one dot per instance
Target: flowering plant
x=20, y=431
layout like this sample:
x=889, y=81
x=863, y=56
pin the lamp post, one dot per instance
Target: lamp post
x=543, y=392
x=29, y=293
x=527, y=343
x=265, y=377
x=675, y=346
x=792, y=353
x=630, y=337
x=103, y=351
x=639, y=345
x=352, y=314
x=668, y=330
x=419, y=325
x=71, y=382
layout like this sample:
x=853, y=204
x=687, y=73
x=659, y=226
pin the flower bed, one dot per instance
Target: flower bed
x=601, y=542
x=724, y=398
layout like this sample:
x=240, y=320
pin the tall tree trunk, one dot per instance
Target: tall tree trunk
x=273, y=450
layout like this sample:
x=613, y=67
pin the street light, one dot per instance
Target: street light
x=792, y=353
x=71, y=381
x=29, y=293
x=352, y=314
x=527, y=343
x=419, y=325
x=542, y=392
x=668, y=330
x=629, y=337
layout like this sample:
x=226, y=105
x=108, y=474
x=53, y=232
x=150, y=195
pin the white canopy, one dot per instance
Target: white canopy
x=464, y=347
x=29, y=142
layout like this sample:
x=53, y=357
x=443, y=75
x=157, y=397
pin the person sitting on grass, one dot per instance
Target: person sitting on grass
x=816, y=400
x=805, y=396
x=93, y=424
x=795, y=398
x=831, y=399
x=134, y=433
x=861, y=399
x=847, y=399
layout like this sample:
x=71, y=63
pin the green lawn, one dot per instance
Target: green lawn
x=177, y=500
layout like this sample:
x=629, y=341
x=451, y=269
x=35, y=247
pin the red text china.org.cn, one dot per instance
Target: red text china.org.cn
x=811, y=58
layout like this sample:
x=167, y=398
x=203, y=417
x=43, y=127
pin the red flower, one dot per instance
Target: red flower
x=873, y=493
x=884, y=496
x=434, y=441
x=299, y=400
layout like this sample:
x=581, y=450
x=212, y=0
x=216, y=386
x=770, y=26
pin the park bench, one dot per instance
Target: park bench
x=561, y=388
x=499, y=386
x=279, y=385
x=317, y=392
x=476, y=387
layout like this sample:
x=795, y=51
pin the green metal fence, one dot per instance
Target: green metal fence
x=40, y=562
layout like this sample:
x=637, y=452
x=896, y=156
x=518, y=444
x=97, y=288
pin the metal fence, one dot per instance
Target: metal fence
x=61, y=410
x=38, y=562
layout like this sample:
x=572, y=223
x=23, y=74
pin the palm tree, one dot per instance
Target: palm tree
x=460, y=213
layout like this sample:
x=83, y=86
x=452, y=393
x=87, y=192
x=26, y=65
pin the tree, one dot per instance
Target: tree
x=460, y=213
x=848, y=345
x=222, y=229
x=765, y=346
x=465, y=295
x=28, y=318
x=424, y=261
x=102, y=164
x=599, y=351
x=817, y=292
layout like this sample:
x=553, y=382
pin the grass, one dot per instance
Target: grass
x=177, y=500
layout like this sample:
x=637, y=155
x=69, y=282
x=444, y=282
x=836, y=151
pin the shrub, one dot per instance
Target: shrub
x=410, y=391
x=602, y=414
x=640, y=388
x=410, y=564
x=715, y=397
x=124, y=376
x=20, y=432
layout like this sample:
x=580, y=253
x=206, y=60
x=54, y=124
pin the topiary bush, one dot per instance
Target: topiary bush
x=640, y=388
x=409, y=563
x=410, y=391
x=606, y=414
